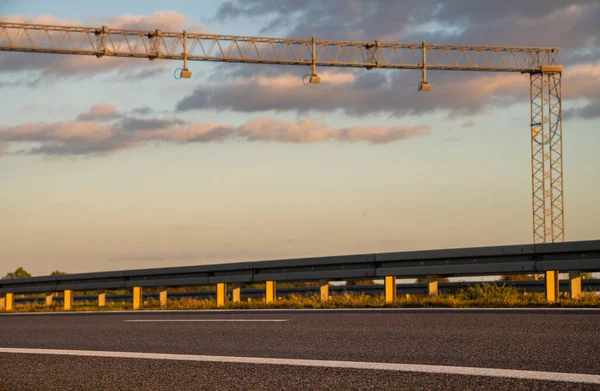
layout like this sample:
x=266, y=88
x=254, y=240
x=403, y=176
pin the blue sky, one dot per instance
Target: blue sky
x=466, y=182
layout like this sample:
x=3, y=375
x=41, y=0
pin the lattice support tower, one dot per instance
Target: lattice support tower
x=547, y=157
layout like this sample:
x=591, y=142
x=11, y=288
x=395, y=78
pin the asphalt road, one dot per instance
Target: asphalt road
x=553, y=341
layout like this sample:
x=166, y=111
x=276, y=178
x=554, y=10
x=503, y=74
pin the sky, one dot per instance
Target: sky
x=109, y=164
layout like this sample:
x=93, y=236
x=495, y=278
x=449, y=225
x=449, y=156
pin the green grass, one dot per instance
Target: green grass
x=478, y=296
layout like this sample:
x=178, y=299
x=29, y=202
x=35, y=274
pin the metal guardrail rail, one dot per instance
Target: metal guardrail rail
x=533, y=286
x=479, y=261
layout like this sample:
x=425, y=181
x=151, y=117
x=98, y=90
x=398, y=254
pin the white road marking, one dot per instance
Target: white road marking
x=206, y=320
x=450, y=370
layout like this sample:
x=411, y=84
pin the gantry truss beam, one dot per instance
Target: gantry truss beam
x=155, y=44
x=541, y=63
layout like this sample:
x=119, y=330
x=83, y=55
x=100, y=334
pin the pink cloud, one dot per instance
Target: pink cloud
x=99, y=112
x=362, y=93
x=91, y=135
x=305, y=131
x=383, y=134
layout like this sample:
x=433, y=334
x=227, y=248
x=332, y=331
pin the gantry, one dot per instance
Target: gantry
x=540, y=63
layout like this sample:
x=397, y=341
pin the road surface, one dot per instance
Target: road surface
x=318, y=349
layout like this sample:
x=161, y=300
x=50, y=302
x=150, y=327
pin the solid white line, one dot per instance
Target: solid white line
x=451, y=370
x=206, y=320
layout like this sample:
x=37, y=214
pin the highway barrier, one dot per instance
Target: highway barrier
x=548, y=259
x=531, y=286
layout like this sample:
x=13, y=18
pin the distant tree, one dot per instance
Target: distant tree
x=360, y=282
x=57, y=273
x=521, y=277
x=19, y=273
x=424, y=279
x=517, y=277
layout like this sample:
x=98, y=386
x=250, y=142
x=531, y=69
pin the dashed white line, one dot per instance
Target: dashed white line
x=451, y=370
x=205, y=320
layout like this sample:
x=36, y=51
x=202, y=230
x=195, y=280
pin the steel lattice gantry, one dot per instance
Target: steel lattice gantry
x=542, y=64
x=546, y=157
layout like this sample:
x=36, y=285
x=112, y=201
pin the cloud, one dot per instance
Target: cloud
x=382, y=134
x=394, y=93
x=103, y=130
x=588, y=111
x=99, y=112
x=163, y=20
x=305, y=131
x=142, y=110
x=570, y=25
x=312, y=131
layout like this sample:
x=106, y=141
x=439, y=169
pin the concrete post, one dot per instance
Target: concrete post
x=137, y=297
x=221, y=294
x=7, y=301
x=551, y=286
x=270, y=292
x=49, y=299
x=68, y=300
x=390, y=288
x=236, y=292
x=324, y=290
x=575, y=284
x=432, y=285
x=163, y=296
x=101, y=299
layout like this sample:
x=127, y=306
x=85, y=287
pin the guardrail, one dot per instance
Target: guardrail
x=548, y=258
x=532, y=286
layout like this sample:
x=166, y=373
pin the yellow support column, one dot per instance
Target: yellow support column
x=270, y=292
x=324, y=290
x=575, y=284
x=7, y=301
x=68, y=300
x=390, y=289
x=101, y=299
x=137, y=297
x=221, y=294
x=163, y=297
x=432, y=285
x=551, y=286
x=49, y=299
x=236, y=292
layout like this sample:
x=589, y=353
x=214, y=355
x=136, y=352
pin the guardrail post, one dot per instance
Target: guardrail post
x=324, y=290
x=551, y=278
x=236, y=292
x=101, y=299
x=49, y=299
x=137, y=297
x=390, y=288
x=162, y=296
x=221, y=294
x=575, y=284
x=270, y=292
x=68, y=300
x=7, y=301
x=432, y=285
